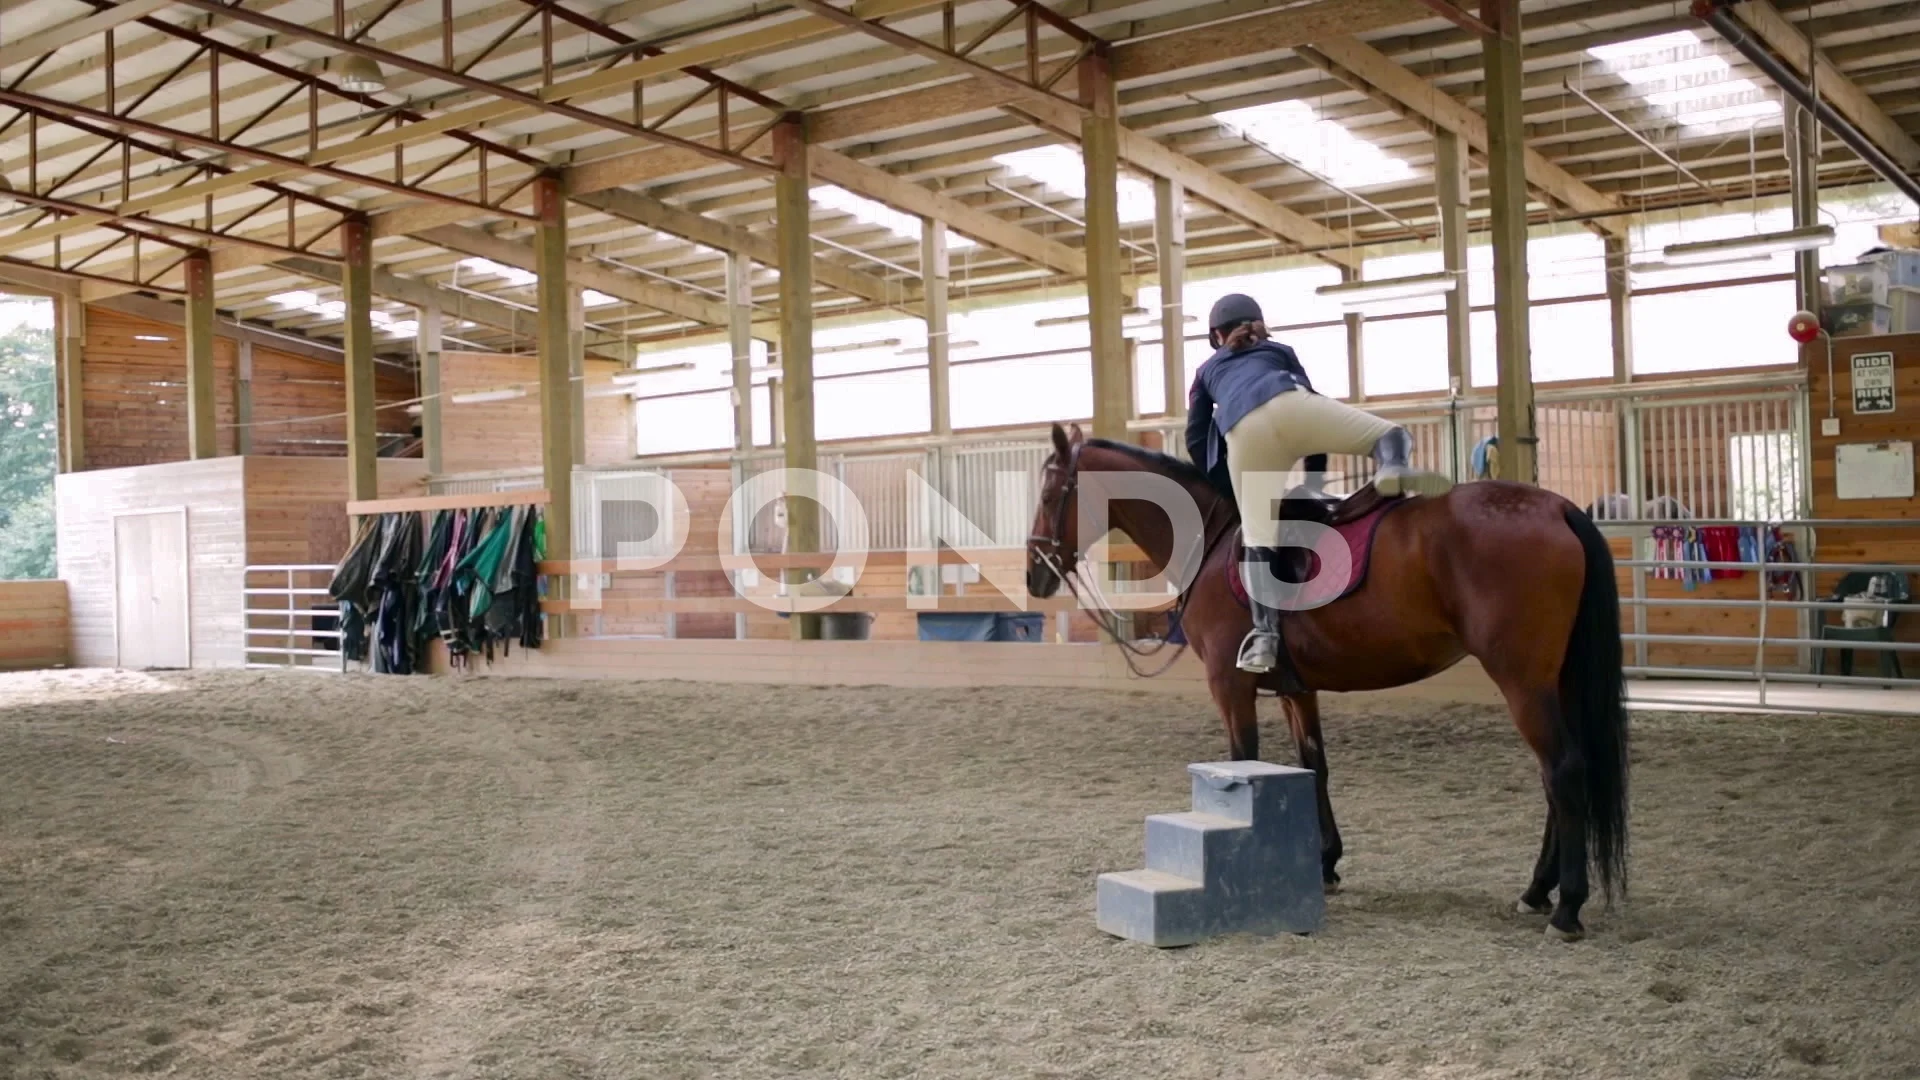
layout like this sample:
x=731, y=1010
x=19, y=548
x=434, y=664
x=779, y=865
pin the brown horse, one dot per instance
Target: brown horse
x=1511, y=574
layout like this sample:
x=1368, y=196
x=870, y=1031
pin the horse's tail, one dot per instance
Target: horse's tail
x=1593, y=706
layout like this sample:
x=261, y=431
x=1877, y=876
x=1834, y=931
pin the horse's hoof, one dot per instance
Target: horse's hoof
x=1330, y=887
x=1558, y=934
x=1525, y=908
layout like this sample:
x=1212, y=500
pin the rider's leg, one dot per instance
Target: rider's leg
x=1342, y=429
x=1261, y=450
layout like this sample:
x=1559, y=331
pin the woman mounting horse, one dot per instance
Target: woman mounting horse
x=1253, y=411
x=1511, y=574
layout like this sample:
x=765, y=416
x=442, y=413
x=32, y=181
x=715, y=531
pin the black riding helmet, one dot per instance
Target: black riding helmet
x=1233, y=309
x=1230, y=311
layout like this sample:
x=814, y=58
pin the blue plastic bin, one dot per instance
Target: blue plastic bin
x=956, y=626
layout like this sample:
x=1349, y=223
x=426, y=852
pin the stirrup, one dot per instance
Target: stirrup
x=1250, y=658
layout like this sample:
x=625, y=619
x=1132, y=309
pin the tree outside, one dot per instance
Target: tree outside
x=29, y=437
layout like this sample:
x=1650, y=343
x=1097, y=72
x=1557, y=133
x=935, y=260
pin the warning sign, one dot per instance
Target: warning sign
x=1873, y=382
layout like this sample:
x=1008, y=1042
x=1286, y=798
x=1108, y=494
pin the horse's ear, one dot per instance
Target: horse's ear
x=1076, y=435
x=1060, y=444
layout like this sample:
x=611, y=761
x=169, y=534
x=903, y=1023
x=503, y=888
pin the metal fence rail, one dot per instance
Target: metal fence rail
x=1808, y=641
x=287, y=611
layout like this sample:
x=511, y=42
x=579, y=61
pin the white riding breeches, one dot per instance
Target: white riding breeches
x=1264, y=446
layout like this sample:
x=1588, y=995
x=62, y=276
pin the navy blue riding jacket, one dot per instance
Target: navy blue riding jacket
x=1228, y=386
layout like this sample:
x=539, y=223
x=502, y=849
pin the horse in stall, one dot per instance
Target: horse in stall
x=1509, y=573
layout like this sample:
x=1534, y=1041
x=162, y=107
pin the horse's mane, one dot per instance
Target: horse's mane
x=1184, y=471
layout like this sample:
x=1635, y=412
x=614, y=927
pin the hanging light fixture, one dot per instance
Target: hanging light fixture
x=1361, y=294
x=357, y=74
x=1749, y=247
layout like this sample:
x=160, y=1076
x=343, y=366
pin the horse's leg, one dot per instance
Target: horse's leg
x=1303, y=715
x=1538, y=899
x=1234, y=691
x=1536, y=712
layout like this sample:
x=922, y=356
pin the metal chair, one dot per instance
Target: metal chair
x=1897, y=590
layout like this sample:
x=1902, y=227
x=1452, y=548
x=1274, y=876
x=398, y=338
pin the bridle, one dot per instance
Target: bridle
x=1047, y=549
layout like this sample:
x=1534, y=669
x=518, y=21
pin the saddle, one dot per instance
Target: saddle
x=1355, y=518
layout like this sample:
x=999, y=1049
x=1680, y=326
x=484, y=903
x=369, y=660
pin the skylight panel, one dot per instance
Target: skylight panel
x=513, y=274
x=308, y=301
x=866, y=211
x=596, y=298
x=1063, y=170
x=1687, y=79
x=297, y=299
x=1296, y=131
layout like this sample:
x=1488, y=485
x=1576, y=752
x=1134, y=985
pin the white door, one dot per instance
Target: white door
x=150, y=590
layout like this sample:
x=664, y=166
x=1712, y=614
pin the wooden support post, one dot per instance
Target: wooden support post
x=427, y=343
x=556, y=398
x=577, y=372
x=1100, y=149
x=776, y=410
x=243, y=396
x=1620, y=306
x=934, y=273
x=1356, y=324
x=1170, y=244
x=791, y=214
x=740, y=338
x=1453, y=195
x=73, y=360
x=1506, y=168
x=363, y=440
x=1803, y=167
x=203, y=436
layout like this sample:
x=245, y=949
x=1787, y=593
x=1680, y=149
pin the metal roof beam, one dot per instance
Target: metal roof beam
x=686, y=224
x=883, y=186
x=1793, y=46
x=1373, y=73
x=1063, y=116
x=586, y=275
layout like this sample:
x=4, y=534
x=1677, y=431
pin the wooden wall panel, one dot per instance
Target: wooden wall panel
x=916, y=664
x=213, y=493
x=34, y=625
x=296, y=507
x=299, y=403
x=484, y=436
x=134, y=384
x=1863, y=544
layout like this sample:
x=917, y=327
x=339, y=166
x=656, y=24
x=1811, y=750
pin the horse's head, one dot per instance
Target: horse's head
x=1053, y=544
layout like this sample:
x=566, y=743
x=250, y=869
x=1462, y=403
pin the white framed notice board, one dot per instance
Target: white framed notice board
x=1873, y=470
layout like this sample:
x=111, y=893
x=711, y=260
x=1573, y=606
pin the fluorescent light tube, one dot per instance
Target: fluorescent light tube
x=505, y=393
x=634, y=375
x=1707, y=251
x=1354, y=294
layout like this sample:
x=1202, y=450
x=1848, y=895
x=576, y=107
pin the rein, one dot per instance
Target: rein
x=1047, y=548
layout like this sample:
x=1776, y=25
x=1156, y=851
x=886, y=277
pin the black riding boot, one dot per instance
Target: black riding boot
x=1392, y=452
x=1260, y=650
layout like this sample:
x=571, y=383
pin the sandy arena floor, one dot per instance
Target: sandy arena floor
x=244, y=875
